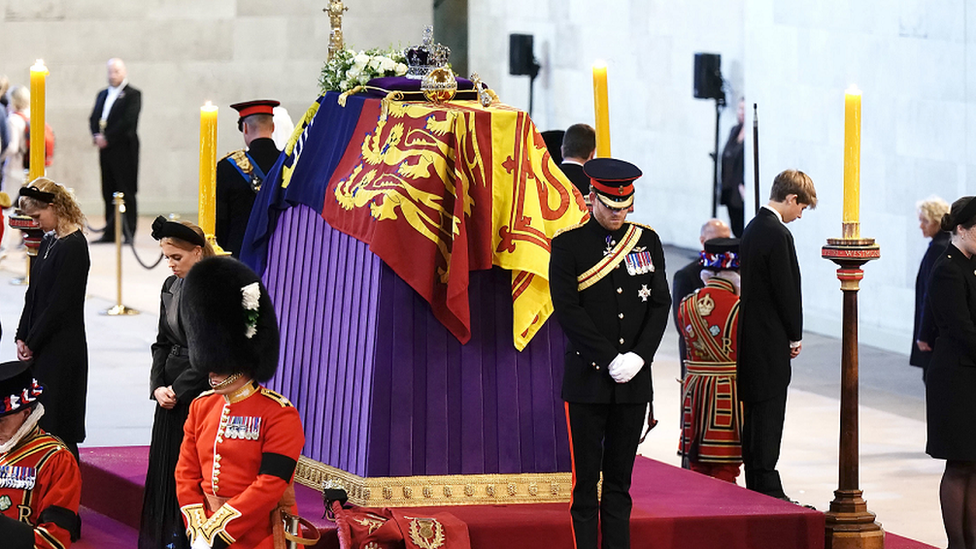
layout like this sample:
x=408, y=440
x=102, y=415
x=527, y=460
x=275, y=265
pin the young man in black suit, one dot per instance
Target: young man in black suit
x=113, y=124
x=578, y=146
x=770, y=326
x=610, y=295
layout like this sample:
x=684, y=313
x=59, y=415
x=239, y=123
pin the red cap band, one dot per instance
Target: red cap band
x=613, y=191
x=256, y=109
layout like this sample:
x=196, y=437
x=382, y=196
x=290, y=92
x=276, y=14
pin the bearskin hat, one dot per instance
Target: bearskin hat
x=229, y=319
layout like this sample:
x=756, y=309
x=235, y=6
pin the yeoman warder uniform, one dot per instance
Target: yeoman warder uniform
x=611, y=298
x=40, y=484
x=711, y=412
x=239, y=178
x=241, y=441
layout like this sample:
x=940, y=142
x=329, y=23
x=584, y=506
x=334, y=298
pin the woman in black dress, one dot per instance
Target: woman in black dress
x=173, y=384
x=52, y=327
x=930, y=212
x=951, y=377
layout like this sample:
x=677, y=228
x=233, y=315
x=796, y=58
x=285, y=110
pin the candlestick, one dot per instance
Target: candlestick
x=852, y=162
x=208, y=162
x=38, y=78
x=601, y=109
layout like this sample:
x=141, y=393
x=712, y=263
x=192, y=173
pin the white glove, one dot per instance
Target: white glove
x=625, y=367
x=200, y=543
x=615, y=364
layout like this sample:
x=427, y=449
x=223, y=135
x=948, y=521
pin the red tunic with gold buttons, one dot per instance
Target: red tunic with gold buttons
x=40, y=485
x=712, y=414
x=238, y=457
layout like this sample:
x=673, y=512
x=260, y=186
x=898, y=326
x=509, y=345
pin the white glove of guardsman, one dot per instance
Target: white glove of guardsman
x=623, y=368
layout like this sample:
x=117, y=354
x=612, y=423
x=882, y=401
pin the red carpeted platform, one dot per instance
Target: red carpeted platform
x=673, y=509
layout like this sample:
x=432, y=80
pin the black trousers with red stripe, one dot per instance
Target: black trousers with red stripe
x=603, y=437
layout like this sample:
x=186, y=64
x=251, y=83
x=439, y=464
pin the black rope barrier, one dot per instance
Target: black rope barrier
x=132, y=244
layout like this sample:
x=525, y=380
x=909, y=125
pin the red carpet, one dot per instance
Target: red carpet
x=673, y=509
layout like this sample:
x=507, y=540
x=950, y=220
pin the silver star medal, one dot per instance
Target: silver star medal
x=644, y=292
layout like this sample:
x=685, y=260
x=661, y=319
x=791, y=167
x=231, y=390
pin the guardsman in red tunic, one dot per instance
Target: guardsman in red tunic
x=241, y=441
x=712, y=413
x=40, y=484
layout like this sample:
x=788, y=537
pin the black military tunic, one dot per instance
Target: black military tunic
x=621, y=312
x=235, y=194
x=624, y=311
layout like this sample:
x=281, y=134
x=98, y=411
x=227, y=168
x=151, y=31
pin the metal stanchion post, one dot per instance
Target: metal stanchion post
x=119, y=309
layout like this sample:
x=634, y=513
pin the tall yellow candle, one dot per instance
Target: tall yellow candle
x=38, y=80
x=601, y=109
x=208, y=166
x=852, y=158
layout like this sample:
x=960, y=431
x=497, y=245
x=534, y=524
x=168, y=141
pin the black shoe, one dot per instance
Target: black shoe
x=794, y=502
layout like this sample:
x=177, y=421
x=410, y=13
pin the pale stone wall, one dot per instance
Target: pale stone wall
x=180, y=53
x=913, y=60
x=655, y=121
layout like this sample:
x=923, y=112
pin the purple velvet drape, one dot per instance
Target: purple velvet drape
x=384, y=389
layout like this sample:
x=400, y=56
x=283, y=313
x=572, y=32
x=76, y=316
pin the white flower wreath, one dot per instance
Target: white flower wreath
x=251, y=300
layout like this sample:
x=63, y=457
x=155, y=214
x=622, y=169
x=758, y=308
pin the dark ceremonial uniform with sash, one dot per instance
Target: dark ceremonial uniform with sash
x=239, y=177
x=610, y=295
x=40, y=488
x=711, y=411
x=236, y=463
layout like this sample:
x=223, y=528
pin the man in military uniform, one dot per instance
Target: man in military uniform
x=241, y=173
x=610, y=296
x=241, y=441
x=40, y=484
x=711, y=411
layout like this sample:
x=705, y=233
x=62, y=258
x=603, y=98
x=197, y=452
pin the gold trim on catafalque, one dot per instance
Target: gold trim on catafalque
x=435, y=490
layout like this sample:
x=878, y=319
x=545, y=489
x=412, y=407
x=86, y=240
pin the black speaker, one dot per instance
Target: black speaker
x=521, y=60
x=708, y=76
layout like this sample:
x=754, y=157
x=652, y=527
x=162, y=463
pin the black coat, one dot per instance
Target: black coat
x=733, y=169
x=686, y=281
x=53, y=327
x=235, y=195
x=950, y=381
x=122, y=151
x=171, y=360
x=770, y=310
x=620, y=313
x=925, y=329
x=574, y=172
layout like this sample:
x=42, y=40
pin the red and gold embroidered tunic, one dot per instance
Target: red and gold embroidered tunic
x=238, y=457
x=40, y=485
x=712, y=414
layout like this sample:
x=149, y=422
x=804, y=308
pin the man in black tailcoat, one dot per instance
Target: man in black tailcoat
x=241, y=173
x=113, y=125
x=770, y=326
x=578, y=147
x=610, y=295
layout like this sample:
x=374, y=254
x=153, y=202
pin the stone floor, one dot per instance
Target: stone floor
x=899, y=481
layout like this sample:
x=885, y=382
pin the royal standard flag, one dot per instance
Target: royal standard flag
x=436, y=191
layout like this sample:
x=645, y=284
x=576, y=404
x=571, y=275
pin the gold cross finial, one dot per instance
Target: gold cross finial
x=335, y=11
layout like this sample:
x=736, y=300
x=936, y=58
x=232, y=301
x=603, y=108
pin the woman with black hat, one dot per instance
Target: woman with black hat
x=52, y=325
x=173, y=384
x=951, y=375
x=241, y=441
